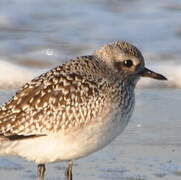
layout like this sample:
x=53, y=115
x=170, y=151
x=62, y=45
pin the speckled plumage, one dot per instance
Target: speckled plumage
x=68, y=96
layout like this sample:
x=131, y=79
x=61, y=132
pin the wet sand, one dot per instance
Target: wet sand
x=149, y=149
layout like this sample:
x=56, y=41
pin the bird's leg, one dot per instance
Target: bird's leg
x=68, y=171
x=41, y=171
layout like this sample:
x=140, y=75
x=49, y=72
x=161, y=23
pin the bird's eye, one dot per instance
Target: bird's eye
x=128, y=63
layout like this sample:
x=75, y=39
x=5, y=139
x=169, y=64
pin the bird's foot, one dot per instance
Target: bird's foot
x=68, y=171
x=41, y=171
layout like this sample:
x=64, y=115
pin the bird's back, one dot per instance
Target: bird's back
x=68, y=96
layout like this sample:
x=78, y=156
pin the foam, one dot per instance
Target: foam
x=14, y=76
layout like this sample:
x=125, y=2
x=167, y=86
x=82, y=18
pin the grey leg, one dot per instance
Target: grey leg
x=68, y=171
x=41, y=171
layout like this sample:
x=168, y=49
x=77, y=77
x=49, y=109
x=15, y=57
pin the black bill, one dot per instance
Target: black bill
x=148, y=73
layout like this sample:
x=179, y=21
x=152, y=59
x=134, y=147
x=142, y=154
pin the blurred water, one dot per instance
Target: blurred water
x=46, y=33
x=55, y=30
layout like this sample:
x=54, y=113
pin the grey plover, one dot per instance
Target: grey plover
x=74, y=109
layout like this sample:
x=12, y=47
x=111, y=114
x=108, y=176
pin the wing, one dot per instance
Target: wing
x=58, y=100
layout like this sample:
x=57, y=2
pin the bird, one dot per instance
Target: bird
x=74, y=109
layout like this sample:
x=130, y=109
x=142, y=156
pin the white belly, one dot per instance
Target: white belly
x=66, y=146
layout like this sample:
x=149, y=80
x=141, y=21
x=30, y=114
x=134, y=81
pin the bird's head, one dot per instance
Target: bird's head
x=126, y=60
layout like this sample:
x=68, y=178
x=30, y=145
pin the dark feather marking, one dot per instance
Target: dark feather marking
x=20, y=137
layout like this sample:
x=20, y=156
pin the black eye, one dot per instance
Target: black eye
x=128, y=63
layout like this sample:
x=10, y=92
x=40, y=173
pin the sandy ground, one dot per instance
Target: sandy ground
x=149, y=149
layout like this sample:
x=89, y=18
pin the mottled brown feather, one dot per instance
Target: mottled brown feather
x=57, y=100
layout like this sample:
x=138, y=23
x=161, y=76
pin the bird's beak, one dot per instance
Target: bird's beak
x=148, y=73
